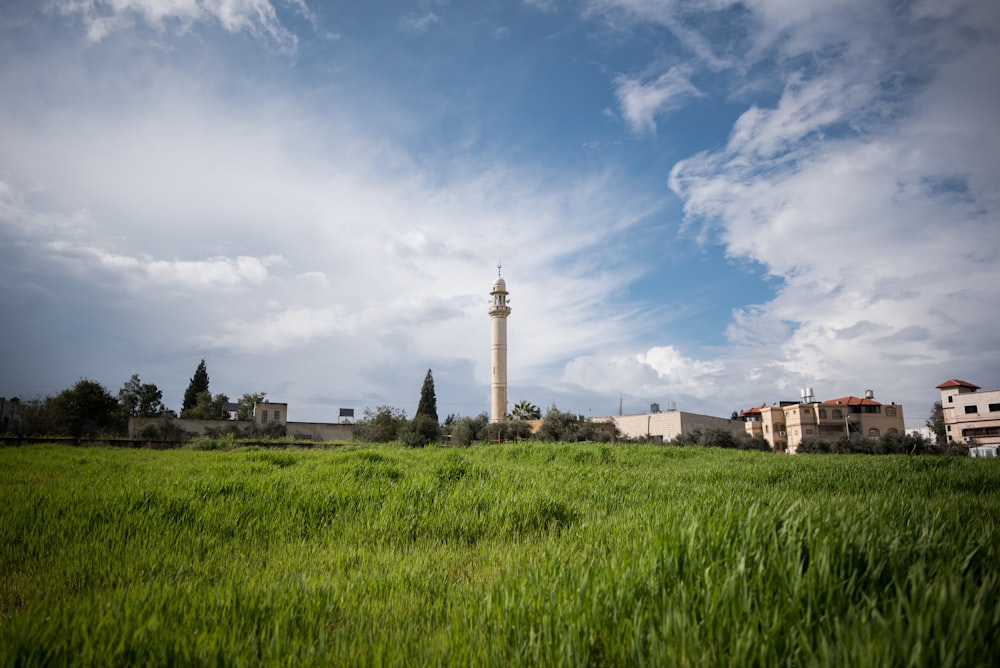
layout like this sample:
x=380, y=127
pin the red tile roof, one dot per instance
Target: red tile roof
x=751, y=411
x=956, y=383
x=853, y=401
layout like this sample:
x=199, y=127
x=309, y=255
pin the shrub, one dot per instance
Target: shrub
x=508, y=430
x=467, y=430
x=420, y=431
x=380, y=426
x=569, y=428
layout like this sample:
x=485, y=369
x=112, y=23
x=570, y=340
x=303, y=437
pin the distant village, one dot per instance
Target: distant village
x=967, y=419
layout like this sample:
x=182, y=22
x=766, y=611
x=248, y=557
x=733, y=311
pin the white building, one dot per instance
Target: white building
x=970, y=415
x=665, y=426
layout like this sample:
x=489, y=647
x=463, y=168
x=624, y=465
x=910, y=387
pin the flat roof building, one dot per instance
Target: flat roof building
x=971, y=416
x=785, y=423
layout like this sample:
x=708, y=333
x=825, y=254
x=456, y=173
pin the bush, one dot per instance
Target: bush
x=420, y=431
x=569, y=428
x=467, y=430
x=380, y=426
x=164, y=430
x=508, y=430
x=888, y=444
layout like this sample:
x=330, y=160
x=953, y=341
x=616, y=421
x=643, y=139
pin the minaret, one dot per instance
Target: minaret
x=499, y=312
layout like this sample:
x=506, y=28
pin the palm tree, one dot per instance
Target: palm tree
x=525, y=410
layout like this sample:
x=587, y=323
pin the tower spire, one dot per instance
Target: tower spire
x=499, y=310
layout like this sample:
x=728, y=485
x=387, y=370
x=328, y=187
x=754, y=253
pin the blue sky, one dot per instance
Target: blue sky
x=712, y=203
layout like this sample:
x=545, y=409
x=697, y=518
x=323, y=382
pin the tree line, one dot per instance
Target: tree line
x=89, y=410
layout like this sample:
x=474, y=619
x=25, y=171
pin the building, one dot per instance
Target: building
x=665, y=426
x=784, y=424
x=266, y=413
x=969, y=414
x=499, y=310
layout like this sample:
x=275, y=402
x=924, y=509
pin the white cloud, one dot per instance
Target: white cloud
x=183, y=201
x=877, y=222
x=542, y=5
x=279, y=330
x=217, y=274
x=642, y=102
x=256, y=17
x=419, y=23
x=660, y=371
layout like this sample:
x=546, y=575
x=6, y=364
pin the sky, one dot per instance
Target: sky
x=714, y=203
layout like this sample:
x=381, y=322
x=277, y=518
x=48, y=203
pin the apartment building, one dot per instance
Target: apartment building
x=969, y=414
x=784, y=424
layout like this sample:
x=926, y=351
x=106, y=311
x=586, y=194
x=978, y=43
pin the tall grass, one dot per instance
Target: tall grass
x=537, y=554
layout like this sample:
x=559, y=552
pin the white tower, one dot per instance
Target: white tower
x=499, y=312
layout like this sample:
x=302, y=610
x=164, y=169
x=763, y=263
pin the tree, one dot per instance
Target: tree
x=428, y=401
x=525, y=410
x=508, y=430
x=568, y=427
x=86, y=409
x=420, y=431
x=381, y=425
x=718, y=437
x=37, y=417
x=245, y=403
x=936, y=424
x=138, y=399
x=208, y=407
x=467, y=430
x=198, y=384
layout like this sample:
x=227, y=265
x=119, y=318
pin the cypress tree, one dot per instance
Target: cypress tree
x=199, y=384
x=428, y=401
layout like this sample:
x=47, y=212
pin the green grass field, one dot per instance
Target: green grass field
x=529, y=554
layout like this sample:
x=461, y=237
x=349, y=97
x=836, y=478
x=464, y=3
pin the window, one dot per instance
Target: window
x=263, y=417
x=873, y=432
x=972, y=409
x=822, y=414
x=837, y=413
x=890, y=410
x=809, y=431
x=277, y=416
x=951, y=400
x=892, y=430
x=994, y=408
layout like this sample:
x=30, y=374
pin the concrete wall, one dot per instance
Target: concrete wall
x=315, y=431
x=319, y=431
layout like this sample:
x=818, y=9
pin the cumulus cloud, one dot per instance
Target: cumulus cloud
x=660, y=371
x=867, y=190
x=875, y=221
